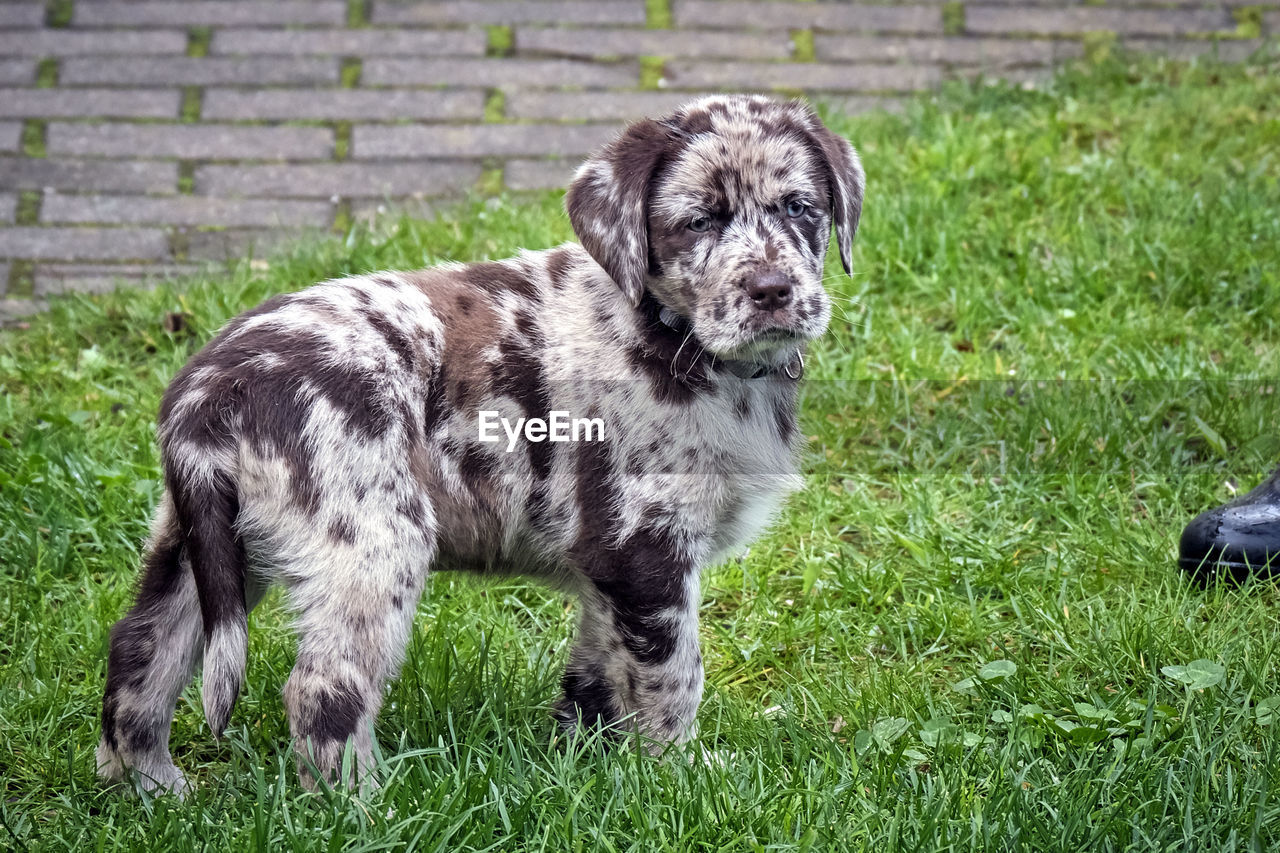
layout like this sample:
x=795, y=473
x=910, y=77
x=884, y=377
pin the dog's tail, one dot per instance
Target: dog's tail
x=208, y=504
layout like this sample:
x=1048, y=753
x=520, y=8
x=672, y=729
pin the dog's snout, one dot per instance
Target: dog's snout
x=770, y=291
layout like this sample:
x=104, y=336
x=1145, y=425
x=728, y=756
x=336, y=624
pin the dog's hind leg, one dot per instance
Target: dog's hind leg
x=355, y=590
x=153, y=653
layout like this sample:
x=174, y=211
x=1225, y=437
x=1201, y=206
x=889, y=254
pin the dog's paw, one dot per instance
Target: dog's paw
x=110, y=766
x=165, y=780
x=712, y=759
x=159, y=777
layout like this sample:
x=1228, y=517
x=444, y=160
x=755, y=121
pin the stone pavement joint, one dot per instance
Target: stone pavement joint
x=146, y=138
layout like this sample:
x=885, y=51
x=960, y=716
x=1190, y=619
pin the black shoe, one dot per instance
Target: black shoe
x=1237, y=540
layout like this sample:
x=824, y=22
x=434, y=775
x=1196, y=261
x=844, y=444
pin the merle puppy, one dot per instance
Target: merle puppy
x=329, y=441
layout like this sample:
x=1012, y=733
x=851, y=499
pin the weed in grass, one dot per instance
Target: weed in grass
x=967, y=632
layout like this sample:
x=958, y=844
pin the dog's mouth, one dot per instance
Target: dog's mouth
x=773, y=346
x=764, y=340
x=778, y=334
x=774, y=337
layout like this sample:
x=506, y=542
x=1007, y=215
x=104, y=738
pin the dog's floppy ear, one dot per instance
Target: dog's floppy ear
x=844, y=171
x=608, y=200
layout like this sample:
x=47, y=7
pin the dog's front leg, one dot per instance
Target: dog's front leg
x=636, y=665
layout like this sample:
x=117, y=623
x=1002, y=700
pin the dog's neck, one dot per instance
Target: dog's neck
x=792, y=369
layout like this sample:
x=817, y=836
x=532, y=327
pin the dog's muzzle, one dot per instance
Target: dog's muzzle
x=793, y=369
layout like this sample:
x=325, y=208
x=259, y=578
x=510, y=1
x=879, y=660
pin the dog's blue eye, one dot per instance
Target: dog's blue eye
x=702, y=223
x=796, y=208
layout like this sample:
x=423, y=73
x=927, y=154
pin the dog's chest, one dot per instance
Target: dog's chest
x=758, y=471
x=748, y=512
x=719, y=468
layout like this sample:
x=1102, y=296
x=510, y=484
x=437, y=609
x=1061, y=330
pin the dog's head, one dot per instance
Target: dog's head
x=723, y=211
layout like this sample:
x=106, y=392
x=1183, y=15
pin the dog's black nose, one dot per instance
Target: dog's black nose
x=770, y=291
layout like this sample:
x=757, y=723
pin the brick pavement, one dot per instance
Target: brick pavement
x=147, y=137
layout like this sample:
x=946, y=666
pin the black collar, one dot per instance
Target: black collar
x=793, y=369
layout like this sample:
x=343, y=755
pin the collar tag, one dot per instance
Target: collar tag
x=795, y=367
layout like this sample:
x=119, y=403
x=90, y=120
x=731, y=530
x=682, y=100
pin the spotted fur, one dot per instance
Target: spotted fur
x=327, y=441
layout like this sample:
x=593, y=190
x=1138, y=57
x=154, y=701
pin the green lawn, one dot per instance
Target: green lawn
x=966, y=633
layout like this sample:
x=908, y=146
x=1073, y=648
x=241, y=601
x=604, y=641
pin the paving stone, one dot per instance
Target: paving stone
x=198, y=71
x=509, y=12
x=13, y=310
x=55, y=279
x=426, y=60
x=997, y=20
x=235, y=244
x=1227, y=50
x=733, y=14
x=1024, y=78
x=1078, y=2
x=616, y=42
x=17, y=71
x=351, y=180
x=124, y=176
x=84, y=103
x=950, y=51
x=800, y=75
x=479, y=140
x=190, y=141
x=514, y=73
x=1171, y=3
x=182, y=210
x=206, y=13
x=539, y=174
x=85, y=244
x=858, y=104
x=372, y=42
x=21, y=14
x=374, y=213
x=342, y=104
x=595, y=106
x=10, y=135
x=80, y=42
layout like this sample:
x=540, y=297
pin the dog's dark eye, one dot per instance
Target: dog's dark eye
x=796, y=208
x=702, y=223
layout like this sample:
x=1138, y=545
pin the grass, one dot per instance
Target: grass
x=966, y=633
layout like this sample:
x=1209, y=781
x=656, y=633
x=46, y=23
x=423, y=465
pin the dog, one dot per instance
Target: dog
x=342, y=440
